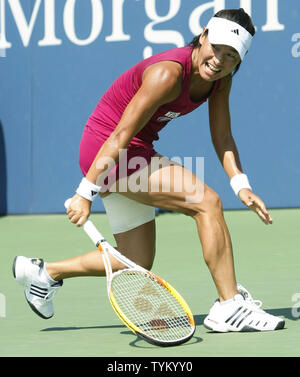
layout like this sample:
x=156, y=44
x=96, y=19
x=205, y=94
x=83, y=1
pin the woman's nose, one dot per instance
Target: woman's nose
x=218, y=58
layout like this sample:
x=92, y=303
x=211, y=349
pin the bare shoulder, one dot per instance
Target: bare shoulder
x=165, y=70
x=165, y=75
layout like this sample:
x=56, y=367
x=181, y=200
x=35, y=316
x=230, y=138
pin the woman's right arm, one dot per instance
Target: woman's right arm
x=161, y=84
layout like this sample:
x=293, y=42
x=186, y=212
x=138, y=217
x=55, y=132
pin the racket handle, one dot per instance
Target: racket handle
x=88, y=227
x=67, y=203
x=92, y=232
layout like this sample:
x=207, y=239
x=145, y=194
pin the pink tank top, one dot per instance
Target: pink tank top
x=111, y=106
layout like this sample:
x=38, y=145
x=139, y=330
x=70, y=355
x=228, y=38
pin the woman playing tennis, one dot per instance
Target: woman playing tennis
x=121, y=130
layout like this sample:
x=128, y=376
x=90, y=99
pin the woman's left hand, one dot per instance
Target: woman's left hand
x=256, y=204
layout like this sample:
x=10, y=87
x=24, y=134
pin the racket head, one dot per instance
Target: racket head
x=150, y=307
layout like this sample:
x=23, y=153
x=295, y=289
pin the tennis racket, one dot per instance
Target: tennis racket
x=149, y=306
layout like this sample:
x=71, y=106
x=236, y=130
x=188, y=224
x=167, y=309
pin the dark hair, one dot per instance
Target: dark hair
x=236, y=15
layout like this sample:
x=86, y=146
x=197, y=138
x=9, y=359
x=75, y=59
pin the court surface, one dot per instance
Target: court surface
x=266, y=260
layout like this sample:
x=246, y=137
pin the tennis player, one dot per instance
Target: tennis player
x=117, y=149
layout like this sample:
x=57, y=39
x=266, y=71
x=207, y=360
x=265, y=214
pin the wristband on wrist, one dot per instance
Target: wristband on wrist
x=239, y=182
x=88, y=190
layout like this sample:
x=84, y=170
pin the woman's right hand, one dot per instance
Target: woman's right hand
x=79, y=210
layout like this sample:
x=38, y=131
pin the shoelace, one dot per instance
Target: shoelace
x=254, y=305
x=258, y=303
x=247, y=296
x=51, y=293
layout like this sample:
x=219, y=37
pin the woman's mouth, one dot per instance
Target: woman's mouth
x=211, y=69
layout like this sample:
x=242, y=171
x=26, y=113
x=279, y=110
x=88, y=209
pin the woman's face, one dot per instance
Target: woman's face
x=215, y=61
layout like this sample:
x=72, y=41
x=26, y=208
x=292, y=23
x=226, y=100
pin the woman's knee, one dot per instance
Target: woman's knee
x=210, y=204
x=212, y=201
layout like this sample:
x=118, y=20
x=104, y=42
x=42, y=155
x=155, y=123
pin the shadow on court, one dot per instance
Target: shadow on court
x=199, y=318
x=3, y=175
x=137, y=342
x=284, y=312
x=287, y=313
x=73, y=328
x=140, y=343
x=198, y=321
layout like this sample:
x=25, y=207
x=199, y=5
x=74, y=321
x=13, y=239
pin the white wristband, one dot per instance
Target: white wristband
x=239, y=182
x=88, y=190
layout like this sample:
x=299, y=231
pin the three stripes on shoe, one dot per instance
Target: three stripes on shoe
x=239, y=316
x=44, y=292
x=38, y=291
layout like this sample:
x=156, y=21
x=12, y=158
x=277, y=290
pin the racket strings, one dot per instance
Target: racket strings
x=150, y=306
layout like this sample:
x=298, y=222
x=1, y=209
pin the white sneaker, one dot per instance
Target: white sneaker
x=241, y=314
x=39, y=288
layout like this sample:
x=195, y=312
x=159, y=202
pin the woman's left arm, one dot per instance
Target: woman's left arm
x=225, y=147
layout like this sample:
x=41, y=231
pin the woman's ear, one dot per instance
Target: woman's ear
x=203, y=35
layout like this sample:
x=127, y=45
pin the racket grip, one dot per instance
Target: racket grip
x=88, y=227
x=67, y=203
x=92, y=232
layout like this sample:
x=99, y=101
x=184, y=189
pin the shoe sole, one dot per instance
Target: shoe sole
x=30, y=305
x=14, y=267
x=33, y=308
x=217, y=328
x=280, y=325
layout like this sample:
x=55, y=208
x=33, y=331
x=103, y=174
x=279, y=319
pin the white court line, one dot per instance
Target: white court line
x=2, y=305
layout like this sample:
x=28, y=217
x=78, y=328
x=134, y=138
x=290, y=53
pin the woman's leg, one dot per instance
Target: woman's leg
x=172, y=187
x=137, y=244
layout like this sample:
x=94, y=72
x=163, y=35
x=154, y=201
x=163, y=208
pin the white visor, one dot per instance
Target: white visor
x=229, y=33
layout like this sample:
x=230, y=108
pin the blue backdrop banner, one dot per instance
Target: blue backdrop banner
x=57, y=58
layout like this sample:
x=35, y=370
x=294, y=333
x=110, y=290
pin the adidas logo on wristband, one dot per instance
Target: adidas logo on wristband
x=88, y=190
